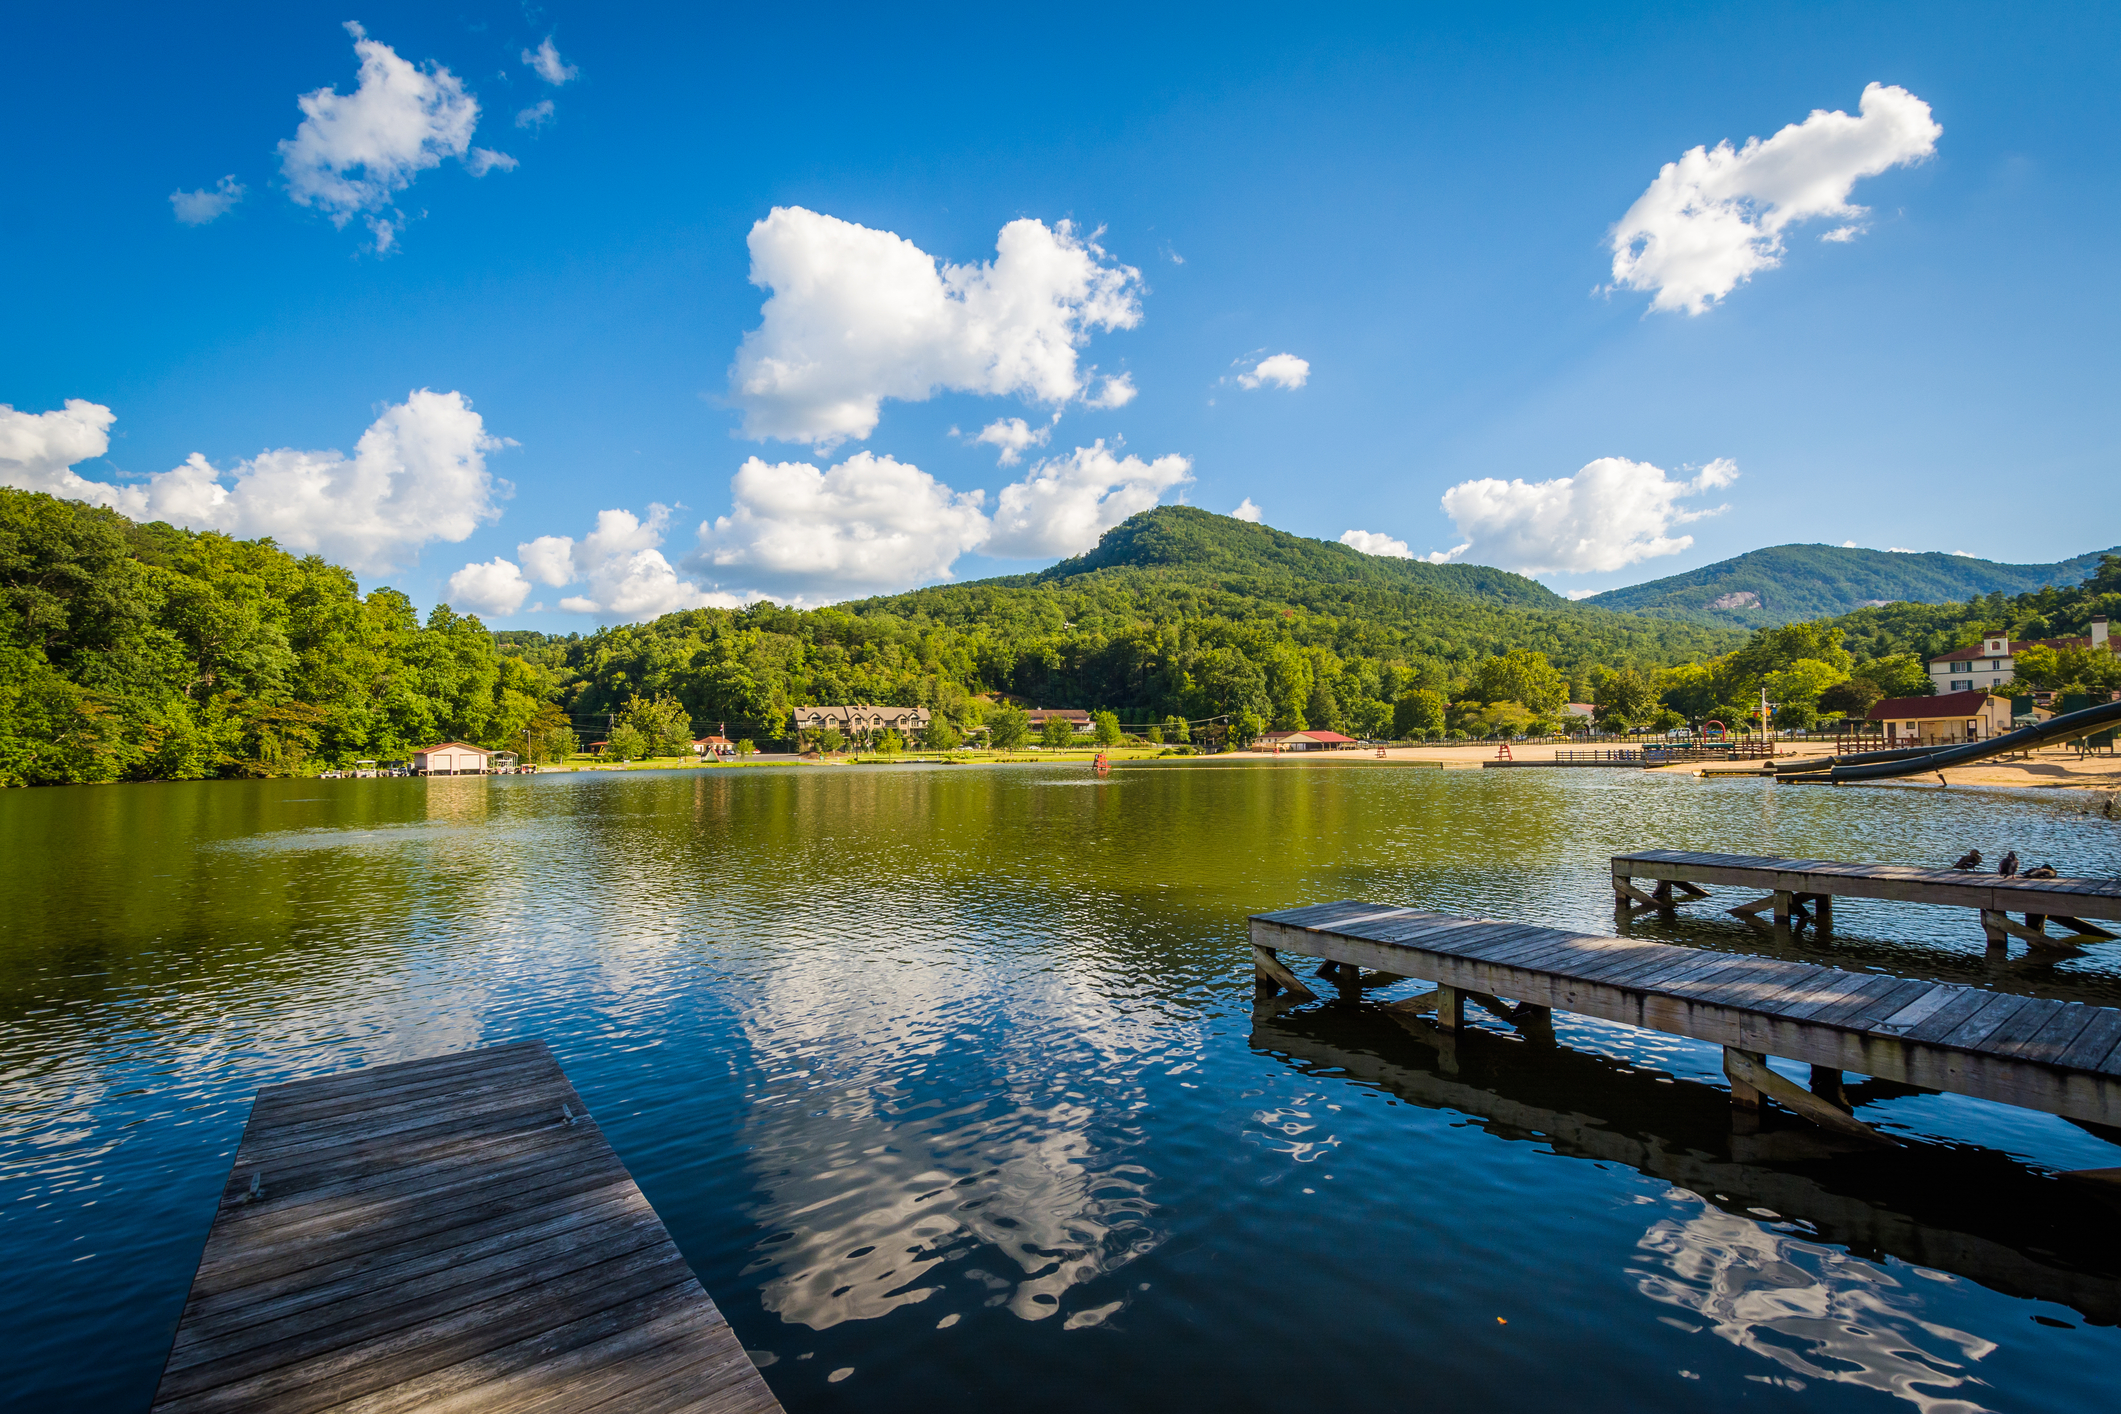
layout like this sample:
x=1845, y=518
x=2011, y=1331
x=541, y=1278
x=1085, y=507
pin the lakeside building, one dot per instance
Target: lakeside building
x=715, y=745
x=1994, y=660
x=1074, y=716
x=450, y=758
x=1307, y=741
x=1944, y=719
x=857, y=718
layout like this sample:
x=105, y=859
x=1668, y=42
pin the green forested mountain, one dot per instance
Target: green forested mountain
x=1789, y=583
x=1176, y=612
x=143, y=652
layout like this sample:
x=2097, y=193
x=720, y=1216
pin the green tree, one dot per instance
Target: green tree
x=1623, y=699
x=662, y=722
x=1105, y=725
x=1522, y=676
x=1177, y=731
x=1419, y=713
x=1247, y=728
x=939, y=735
x=829, y=740
x=890, y=743
x=1057, y=732
x=1007, y=726
x=626, y=743
x=1852, y=697
x=747, y=747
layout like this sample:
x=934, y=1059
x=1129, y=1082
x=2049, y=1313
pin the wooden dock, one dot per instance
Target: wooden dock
x=2061, y=1057
x=1789, y=885
x=446, y=1234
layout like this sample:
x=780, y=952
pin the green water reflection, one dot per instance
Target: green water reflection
x=950, y=1077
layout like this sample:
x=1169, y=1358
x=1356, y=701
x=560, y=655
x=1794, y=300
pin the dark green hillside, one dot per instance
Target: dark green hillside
x=1203, y=546
x=1788, y=583
x=1175, y=613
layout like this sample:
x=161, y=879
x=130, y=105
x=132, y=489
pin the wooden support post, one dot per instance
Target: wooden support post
x=1784, y=900
x=1827, y=1085
x=1750, y=1068
x=1450, y=1008
x=1625, y=893
x=1267, y=967
x=1823, y=912
x=1999, y=943
x=1663, y=893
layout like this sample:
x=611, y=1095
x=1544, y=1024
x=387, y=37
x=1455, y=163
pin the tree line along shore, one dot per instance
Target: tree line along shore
x=138, y=652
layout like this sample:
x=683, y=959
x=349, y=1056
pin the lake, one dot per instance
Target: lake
x=948, y=1082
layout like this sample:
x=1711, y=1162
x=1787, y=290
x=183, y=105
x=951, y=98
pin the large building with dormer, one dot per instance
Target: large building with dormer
x=1993, y=661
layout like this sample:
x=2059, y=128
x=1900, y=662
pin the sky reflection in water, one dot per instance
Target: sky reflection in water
x=947, y=1082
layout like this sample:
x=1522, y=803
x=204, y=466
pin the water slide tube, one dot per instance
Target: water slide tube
x=1923, y=760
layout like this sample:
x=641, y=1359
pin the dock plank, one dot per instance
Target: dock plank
x=2061, y=1057
x=450, y=1233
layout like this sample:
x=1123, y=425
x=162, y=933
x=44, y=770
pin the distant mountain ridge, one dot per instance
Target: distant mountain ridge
x=1201, y=543
x=1788, y=583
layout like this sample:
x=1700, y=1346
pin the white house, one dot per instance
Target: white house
x=450, y=758
x=1994, y=660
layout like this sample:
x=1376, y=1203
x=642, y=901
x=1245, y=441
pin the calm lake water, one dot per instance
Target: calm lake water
x=947, y=1080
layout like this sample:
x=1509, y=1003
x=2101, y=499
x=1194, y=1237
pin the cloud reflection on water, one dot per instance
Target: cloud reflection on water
x=1813, y=1309
x=879, y=1181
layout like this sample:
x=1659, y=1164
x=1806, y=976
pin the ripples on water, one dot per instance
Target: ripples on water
x=948, y=1082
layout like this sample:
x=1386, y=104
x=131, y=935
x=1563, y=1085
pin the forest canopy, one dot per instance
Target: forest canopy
x=145, y=652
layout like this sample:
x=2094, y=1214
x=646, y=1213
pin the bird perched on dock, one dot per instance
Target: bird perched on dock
x=2009, y=866
x=1969, y=860
x=2040, y=871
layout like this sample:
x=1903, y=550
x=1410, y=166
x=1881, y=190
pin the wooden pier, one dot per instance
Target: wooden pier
x=1789, y=885
x=446, y=1234
x=2060, y=1057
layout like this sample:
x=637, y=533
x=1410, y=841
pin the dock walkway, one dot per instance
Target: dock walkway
x=445, y=1234
x=1791, y=883
x=2060, y=1057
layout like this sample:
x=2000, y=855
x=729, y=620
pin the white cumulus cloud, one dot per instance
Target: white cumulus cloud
x=858, y=315
x=1118, y=391
x=1608, y=515
x=496, y=588
x=536, y=115
x=1283, y=370
x=626, y=576
x=1714, y=217
x=1371, y=542
x=417, y=475
x=1063, y=504
x=546, y=60
x=354, y=152
x=1246, y=511
x=196, y=208
x=867, y=526
x=1013, y=435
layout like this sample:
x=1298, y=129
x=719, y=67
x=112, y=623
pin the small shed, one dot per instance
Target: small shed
x=450, y=758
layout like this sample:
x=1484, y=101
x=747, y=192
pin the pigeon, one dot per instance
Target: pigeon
x=2041, y=871
x=2009, y=866
x=1969, y=860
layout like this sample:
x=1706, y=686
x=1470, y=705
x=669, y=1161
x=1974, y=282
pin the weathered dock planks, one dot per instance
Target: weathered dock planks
x=2060, y=1057
x=1791, y=883
x=445, y=1234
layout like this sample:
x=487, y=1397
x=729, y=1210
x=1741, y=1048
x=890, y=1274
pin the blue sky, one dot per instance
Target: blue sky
x=1416, y=205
